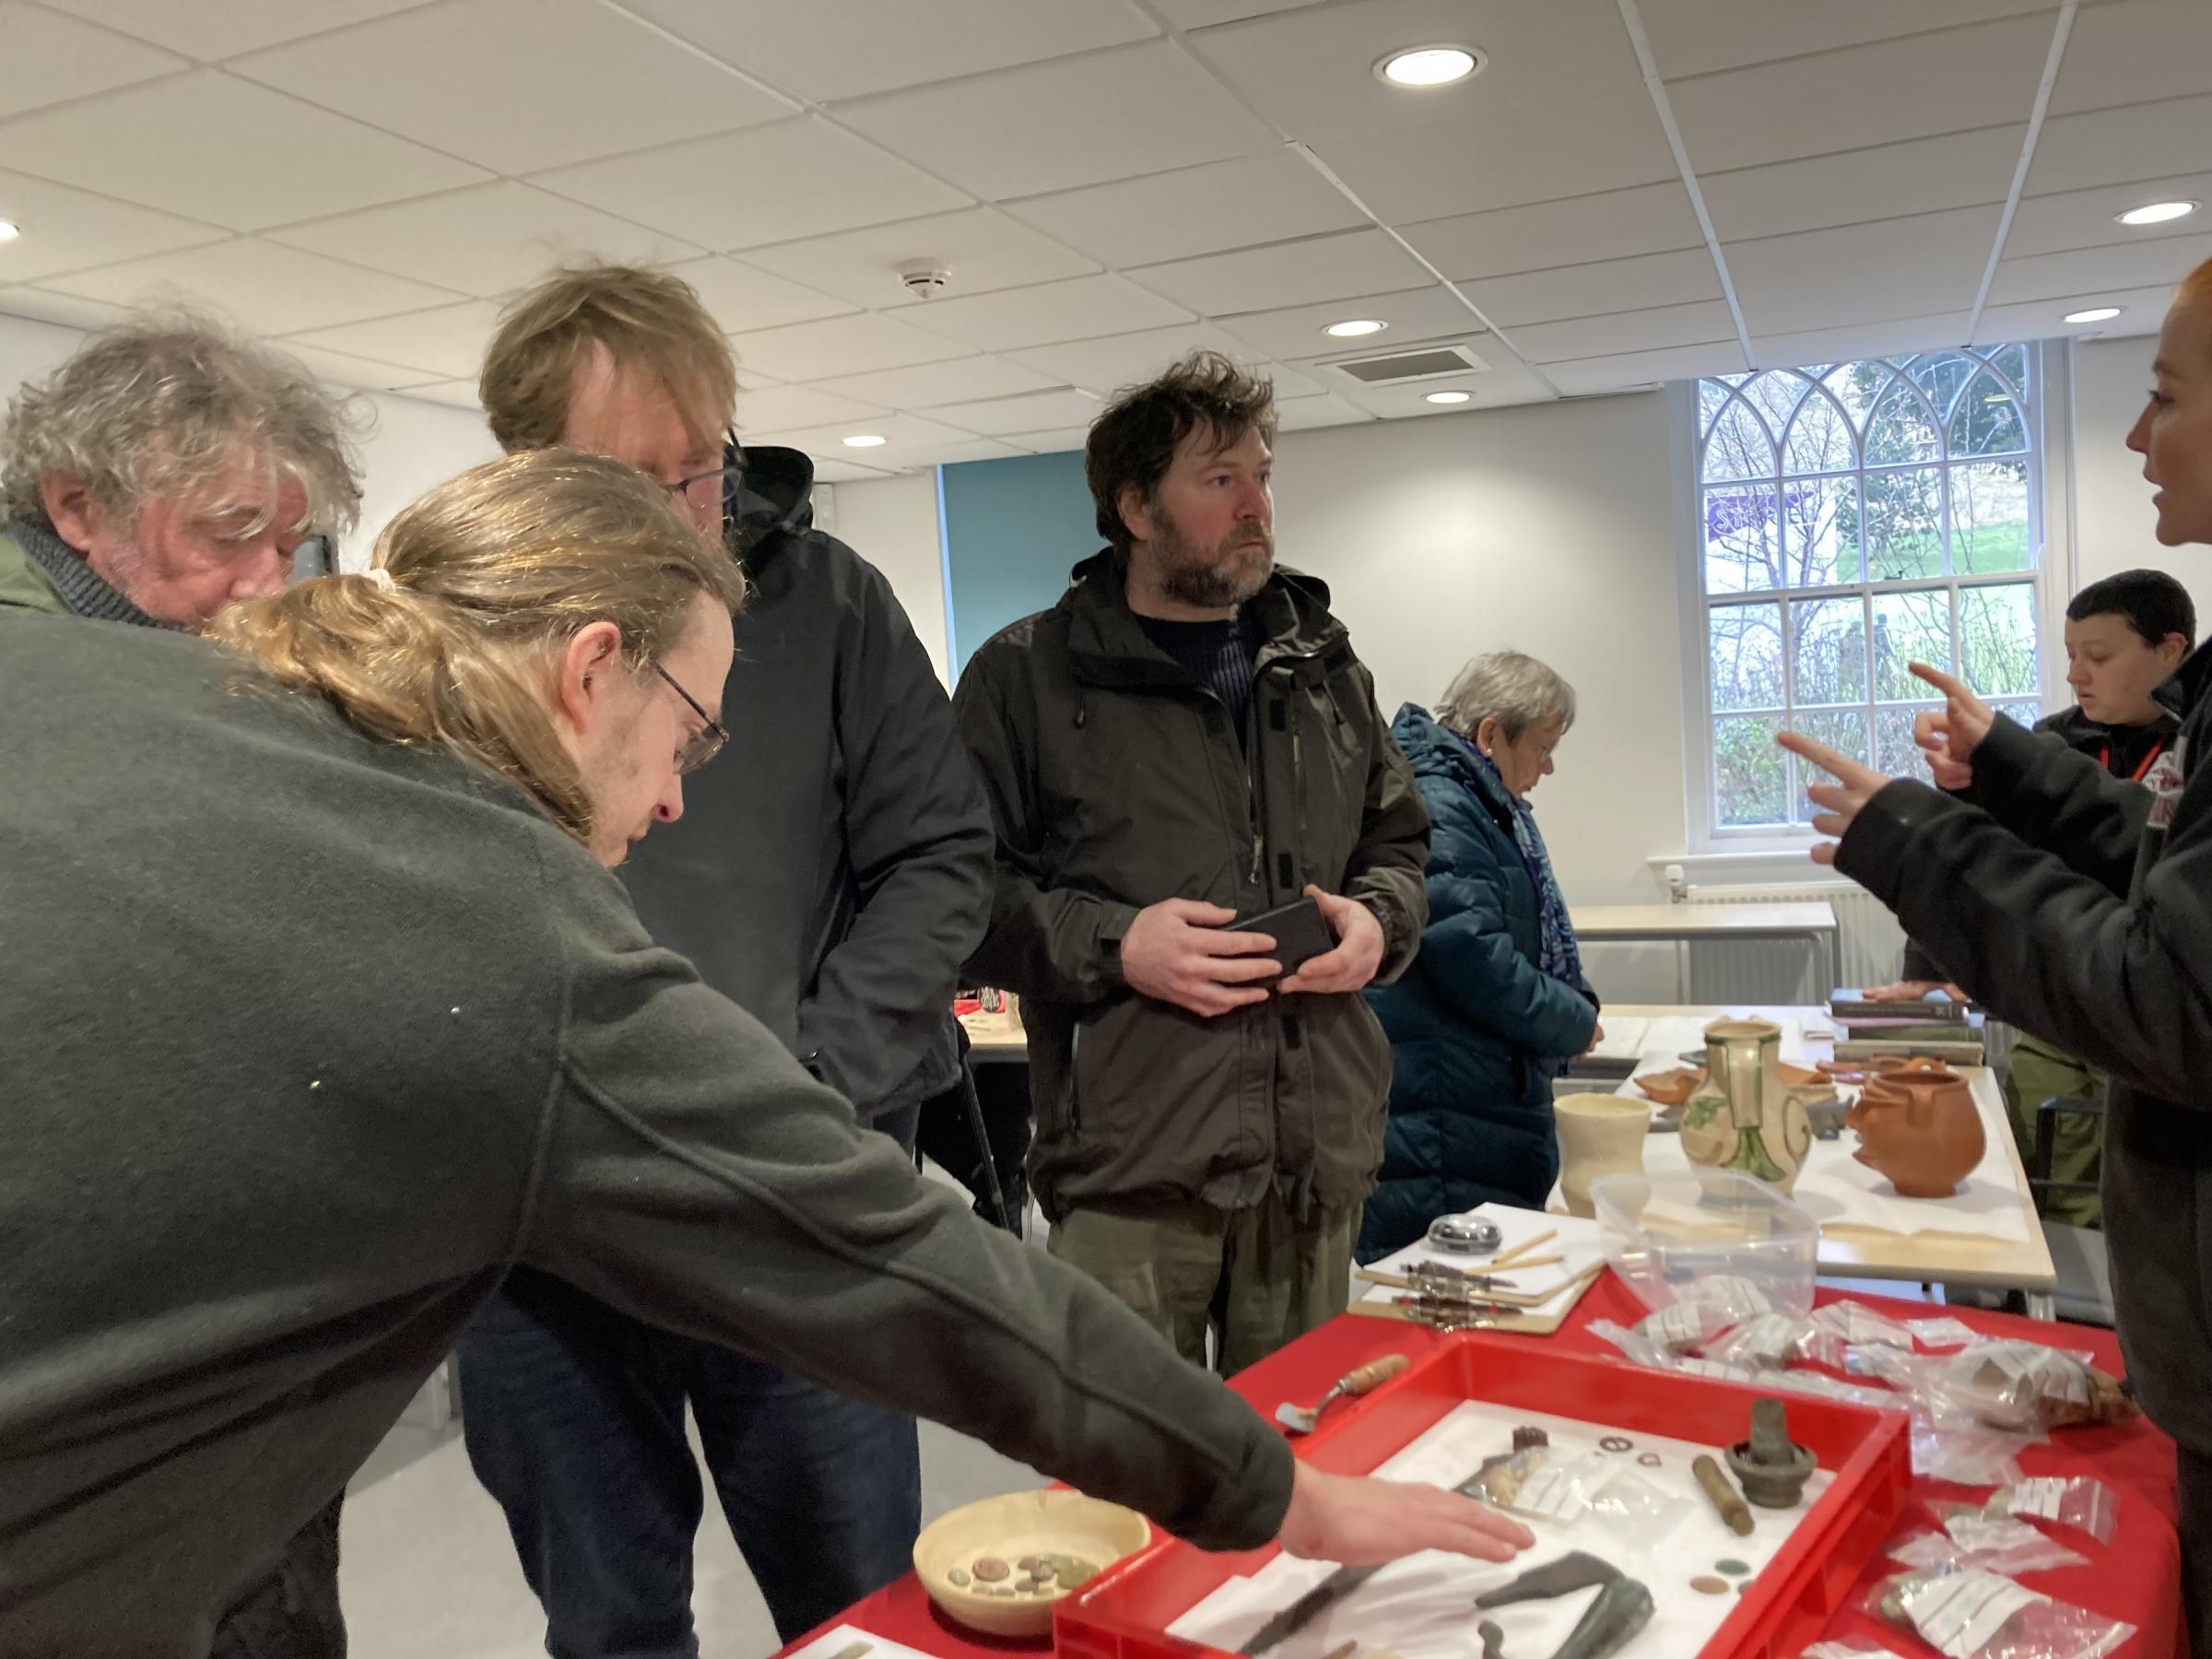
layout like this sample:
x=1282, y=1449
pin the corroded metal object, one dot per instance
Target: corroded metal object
x=1771, y=1468
x=1725, y=1497
x=1622, y=1608
x=1563, y=1577
x=1465, y=1235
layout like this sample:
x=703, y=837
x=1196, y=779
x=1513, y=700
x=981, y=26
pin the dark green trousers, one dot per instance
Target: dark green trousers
x=2039, y=1072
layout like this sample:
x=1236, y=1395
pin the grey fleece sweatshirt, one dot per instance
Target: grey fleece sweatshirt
x=308, y=1039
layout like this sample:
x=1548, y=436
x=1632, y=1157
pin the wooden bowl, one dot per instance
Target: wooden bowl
x=1018, y=1524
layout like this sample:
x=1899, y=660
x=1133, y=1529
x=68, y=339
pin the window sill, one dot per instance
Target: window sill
x=1775, y=863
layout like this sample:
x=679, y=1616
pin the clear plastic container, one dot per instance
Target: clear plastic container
x=1707, y=1234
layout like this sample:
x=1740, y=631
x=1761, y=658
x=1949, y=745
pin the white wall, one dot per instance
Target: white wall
x=893, y=525
x=2114, y=524
x=1548, y=529
x=406, y=444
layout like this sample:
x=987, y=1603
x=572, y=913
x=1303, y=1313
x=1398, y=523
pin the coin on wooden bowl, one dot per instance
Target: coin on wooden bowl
x=1072, y=1536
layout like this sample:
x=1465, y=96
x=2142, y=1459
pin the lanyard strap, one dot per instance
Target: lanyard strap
x=2104, y=758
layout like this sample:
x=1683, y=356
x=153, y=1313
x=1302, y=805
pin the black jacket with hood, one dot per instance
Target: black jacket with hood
x=1117, y=780
x=832, y=868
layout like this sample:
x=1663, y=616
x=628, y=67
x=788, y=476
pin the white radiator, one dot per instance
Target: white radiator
x=1758, y=969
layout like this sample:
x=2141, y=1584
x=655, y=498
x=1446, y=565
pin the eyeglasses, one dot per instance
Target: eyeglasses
x=702, y=746
x=730, y=472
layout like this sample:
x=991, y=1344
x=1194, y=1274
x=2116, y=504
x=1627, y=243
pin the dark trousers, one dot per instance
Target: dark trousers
x=998, y=1094
x=574, y=1413
x=2193, y=1494
x=293, y=1613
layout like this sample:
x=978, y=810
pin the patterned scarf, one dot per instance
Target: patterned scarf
x=1557, y=954
x=80, y=588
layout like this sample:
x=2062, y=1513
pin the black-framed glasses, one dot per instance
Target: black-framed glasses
x=702, y=746
x=731, y=473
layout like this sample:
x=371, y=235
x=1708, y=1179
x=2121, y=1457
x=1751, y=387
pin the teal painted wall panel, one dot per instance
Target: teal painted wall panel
x=1012, y=530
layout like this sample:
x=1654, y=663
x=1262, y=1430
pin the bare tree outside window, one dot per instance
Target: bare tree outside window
x=1854, y=518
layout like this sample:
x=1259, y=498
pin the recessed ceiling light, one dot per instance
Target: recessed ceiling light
x=1351, y=328
x=2157, y=213
x=866, y=441
x=1448, y=398
x=9, y=231
x=1428, y=65
x=2096, y=314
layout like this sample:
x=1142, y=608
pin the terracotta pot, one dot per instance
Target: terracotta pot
x=1671, y=1088
x=1917, y=1125
x=1745, y=1116
x=1599, y=1134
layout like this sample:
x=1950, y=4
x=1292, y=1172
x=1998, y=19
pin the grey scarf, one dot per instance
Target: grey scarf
x=79, y=585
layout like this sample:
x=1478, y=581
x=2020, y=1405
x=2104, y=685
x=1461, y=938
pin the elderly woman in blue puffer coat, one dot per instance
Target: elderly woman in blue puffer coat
x=1496, y=1005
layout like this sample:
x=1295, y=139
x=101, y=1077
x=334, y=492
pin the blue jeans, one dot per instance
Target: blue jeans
x=574, y=1413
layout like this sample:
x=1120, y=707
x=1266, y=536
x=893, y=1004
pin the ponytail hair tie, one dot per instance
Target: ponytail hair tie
x=382, y=578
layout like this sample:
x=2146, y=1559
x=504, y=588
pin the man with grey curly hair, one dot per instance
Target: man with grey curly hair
x=166, y=471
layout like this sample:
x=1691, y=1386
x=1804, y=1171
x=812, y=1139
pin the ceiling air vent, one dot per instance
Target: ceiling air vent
x=1396, y=367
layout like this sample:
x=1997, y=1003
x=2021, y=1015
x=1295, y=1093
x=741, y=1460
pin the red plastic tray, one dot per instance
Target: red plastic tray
x=1123, y=1614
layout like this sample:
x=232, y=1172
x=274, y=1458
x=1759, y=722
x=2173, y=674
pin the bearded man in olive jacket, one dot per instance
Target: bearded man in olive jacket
x=1187, y=738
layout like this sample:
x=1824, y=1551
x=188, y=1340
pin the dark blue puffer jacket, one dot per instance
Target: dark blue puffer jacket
x=1477, y=1028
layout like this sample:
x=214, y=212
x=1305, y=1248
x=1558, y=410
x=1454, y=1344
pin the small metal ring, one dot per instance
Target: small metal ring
x=1617, y=1443
x=1650, y=1460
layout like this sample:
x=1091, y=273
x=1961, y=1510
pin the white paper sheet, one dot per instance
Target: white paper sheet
x=1576, y=1240
x=844, y=1636
x=1419, y=1608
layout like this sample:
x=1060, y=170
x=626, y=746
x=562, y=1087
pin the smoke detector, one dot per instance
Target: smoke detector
x=925, y=279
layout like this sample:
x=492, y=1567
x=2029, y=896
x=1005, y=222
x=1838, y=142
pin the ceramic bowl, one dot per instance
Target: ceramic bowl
x=1671, y=1088
x=1018, y=1524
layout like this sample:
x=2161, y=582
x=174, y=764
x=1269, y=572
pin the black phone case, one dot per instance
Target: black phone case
x=1299, y=929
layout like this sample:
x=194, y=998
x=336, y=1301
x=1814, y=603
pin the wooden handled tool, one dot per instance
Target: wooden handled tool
x=1300, y=1419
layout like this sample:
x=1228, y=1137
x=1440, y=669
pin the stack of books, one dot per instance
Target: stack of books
x=1935, y=1025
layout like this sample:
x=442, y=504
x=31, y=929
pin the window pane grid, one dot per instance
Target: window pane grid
x=1857, y=517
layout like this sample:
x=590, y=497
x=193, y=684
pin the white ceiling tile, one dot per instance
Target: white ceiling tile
x=837, y=346
x=1423, y=314
x=954, y=454
x=1982, y=75
x=1725, y=34
x=227, y=151
x=1058, y=441
x=488, y=241
x=1898, y=335
x=927, y=384
x=1614, y=224
x=1302, y=272
x=1920, y=175
x=455, y=393
x=1303, y=414
x=738, y=297
x=50, y=58
x=1660, y=326
x=1590, y=290
x=1079, y=309
x=1505, y=381
x=209, y=31
x=1908, y=267
x=2141, y=312
x=72, y=310
x=981, y=247
x=265, y=289
x=341, y=370
x=2083, y=219
x=1107, y=365
x=2132, y=51
x=835, y=49
x=2134, y=264
x=1578, y=143
x=1272, y=196
x=585, y=81
x=447, y=340
x=827, y=471
x=1629, y=371
x=785, y=408
x=2112, y=147
x=65, y=230
x=1199, y=14
x=906, y=436
x=1076, y=121
x=1289, y=381
x=998, y=417
x=768, y=184
x=1311, y=72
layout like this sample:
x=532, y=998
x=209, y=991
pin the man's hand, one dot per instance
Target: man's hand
x=1176, y=952
x=1854, y=786
x=1912, y=990
x=1363, y=1522
x=1949, y=739
x=1597, y=1035
x=1358, y=948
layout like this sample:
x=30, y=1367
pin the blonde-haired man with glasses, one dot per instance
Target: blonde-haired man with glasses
x=829, y=875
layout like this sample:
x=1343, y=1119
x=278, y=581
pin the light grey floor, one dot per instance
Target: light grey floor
x=427, y=1570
